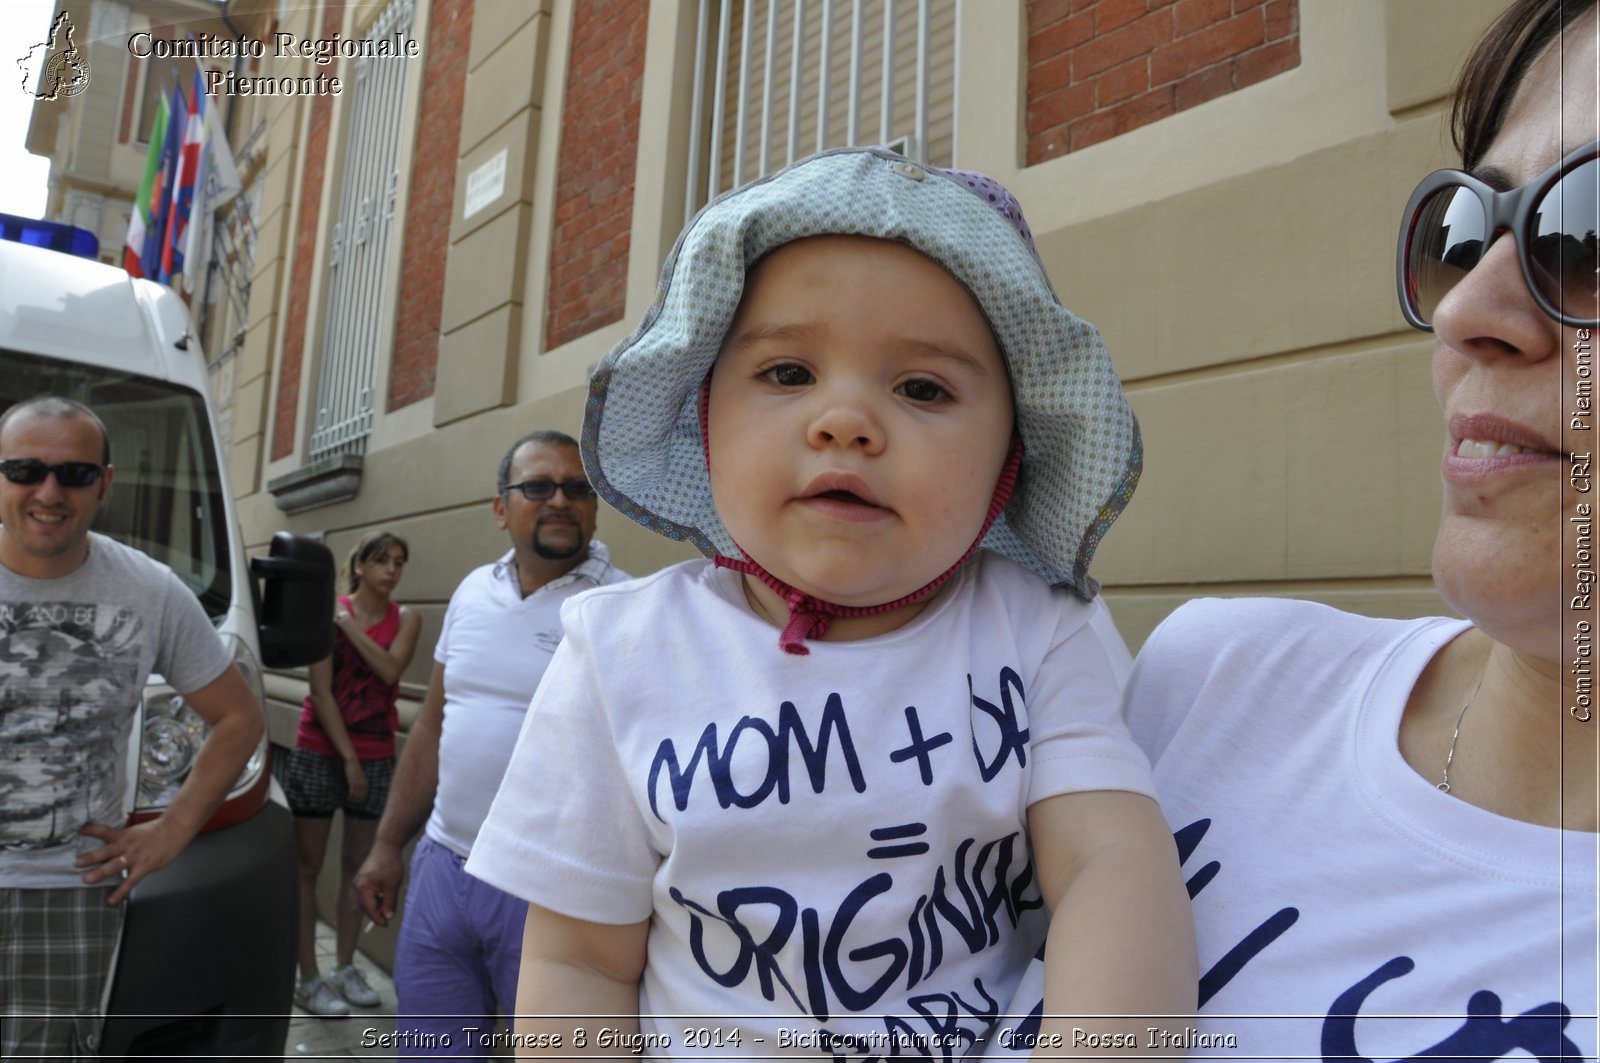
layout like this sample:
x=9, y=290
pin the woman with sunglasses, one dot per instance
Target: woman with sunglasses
x=343, y=757
x=1388, y=827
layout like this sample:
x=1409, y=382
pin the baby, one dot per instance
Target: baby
x=823, y=793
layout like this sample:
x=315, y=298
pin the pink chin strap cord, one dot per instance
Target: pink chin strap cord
x=809, y=617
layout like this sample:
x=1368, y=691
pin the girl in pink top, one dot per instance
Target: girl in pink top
x=343, y=757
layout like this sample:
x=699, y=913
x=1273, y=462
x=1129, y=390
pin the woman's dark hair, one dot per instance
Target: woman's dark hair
x=1497, y=65
x=372, y=545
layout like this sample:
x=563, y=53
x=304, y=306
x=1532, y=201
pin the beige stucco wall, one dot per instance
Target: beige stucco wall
x=1237, y=257
x=429, y=470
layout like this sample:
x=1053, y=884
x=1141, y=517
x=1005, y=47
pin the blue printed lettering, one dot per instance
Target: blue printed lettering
x=1485, y=1034
x=989, y=879
x=762, y=954
x=1269, y=930
x=920, y=747
x=1013, y=736
x=791, y=733
x=849, y=997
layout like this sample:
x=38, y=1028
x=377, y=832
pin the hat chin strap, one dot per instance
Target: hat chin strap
x=809, y=617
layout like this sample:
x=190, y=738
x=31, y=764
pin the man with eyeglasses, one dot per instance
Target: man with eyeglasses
x=461, y=940
x=84, y=620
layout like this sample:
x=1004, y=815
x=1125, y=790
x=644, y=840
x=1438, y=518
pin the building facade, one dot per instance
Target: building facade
x=429, y=261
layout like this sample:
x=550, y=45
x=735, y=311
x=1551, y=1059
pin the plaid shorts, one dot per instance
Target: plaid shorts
x=57, y=948
x=314, y=785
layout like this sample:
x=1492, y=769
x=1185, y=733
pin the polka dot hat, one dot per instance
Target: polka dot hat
x=1082, y=453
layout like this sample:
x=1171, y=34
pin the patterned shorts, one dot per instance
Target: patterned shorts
x=314, y=785
x=55, y=970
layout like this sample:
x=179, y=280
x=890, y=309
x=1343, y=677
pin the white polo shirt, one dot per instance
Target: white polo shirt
x=494, y=647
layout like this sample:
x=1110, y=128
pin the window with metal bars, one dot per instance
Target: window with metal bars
x=358, y=267
x=776, y=80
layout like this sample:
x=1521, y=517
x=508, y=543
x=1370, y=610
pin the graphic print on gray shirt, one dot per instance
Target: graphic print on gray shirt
x=75, y=653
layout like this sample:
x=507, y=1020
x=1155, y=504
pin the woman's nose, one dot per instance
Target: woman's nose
x=1490, y=312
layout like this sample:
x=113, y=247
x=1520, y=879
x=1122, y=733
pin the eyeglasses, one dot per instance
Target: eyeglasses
x=26, y=472
x=544, y=490
x=1453, y=218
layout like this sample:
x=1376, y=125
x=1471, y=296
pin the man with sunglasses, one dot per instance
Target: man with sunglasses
x=84, y=620
x=461, y=940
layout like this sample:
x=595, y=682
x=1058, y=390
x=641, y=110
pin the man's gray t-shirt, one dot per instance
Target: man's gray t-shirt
x=75, y=653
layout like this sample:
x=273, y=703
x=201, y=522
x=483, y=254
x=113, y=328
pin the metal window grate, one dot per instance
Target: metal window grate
x=779, y=79
x=358, y=260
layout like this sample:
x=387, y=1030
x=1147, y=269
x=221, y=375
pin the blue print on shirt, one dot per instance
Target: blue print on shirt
x=791, y=733
x=1486, y=1033
x=887, y=938
x=1013, y=734
x=1234, y=960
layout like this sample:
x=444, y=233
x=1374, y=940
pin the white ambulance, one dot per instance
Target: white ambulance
x=206, y=965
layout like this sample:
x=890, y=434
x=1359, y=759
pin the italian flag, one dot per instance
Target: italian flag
x=139, y=219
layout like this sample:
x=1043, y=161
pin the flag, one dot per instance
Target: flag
x=188, y=162
x=161, y=197
x=139, y=218
x=216, y=183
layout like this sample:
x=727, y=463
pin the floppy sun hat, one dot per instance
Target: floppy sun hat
x=642, y=439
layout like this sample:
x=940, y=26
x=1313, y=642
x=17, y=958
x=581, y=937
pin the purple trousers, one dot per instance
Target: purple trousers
x=457, y=959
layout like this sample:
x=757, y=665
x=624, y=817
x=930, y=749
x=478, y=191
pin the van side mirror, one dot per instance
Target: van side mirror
x=295, y=617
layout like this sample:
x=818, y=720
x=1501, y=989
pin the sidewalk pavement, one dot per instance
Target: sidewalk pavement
x=357, y=1037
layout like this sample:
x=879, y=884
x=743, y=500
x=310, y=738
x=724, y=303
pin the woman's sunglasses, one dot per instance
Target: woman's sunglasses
x=26, y=472
x=1453, y=218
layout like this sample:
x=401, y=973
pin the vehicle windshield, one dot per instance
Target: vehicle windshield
x=166, y=499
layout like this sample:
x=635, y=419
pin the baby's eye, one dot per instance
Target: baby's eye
x=788, y=375
x=923, y=391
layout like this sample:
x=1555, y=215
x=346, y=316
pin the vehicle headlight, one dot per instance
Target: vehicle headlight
x=172, y=736
x=173, y=733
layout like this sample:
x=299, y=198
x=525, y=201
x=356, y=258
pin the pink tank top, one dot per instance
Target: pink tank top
x=366, y=703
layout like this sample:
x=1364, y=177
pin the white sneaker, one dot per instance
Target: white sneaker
x=351, y=984
x=318, y=997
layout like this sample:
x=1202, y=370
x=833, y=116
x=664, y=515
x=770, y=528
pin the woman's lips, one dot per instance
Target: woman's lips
x=1488, y=433
x=1484, y=446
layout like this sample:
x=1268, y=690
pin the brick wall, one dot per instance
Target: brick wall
x=431, y=205
x=305, y=247
x=595, y=174
x=1098, y=68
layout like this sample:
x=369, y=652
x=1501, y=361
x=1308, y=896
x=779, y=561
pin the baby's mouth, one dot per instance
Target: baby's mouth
x=844, y=487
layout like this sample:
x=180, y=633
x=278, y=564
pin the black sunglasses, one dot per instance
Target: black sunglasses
x=1453, y=217
x=26, y=472
x=544, y=490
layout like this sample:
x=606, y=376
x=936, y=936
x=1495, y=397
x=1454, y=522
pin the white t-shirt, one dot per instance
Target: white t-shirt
x=495, y=645
x=820, y=841
x=1334, y=888
x=75, y=653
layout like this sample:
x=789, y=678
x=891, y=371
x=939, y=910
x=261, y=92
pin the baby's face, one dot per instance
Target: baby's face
x=859, y=416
